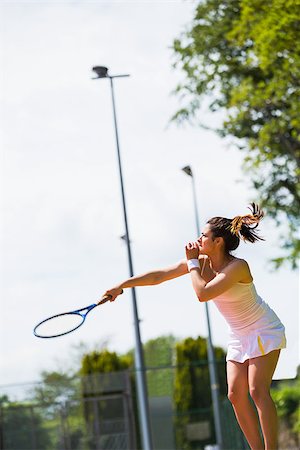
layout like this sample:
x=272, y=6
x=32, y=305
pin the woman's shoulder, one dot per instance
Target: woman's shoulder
x=238, y=263
x=243, y=267
x=239, y=260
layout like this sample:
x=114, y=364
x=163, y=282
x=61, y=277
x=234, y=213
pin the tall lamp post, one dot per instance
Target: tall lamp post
x=214, y=385
x=102, y=72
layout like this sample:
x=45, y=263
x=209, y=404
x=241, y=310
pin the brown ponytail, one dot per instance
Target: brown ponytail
x=243, y=226
x=240, y=227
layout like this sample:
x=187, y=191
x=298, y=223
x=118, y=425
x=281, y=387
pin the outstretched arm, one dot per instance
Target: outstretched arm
x=150, y=278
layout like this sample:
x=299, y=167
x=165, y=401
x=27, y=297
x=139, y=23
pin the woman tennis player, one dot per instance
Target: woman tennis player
x=256, y=333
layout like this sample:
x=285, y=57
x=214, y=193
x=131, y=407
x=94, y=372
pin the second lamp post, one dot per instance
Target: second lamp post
x=214, y=385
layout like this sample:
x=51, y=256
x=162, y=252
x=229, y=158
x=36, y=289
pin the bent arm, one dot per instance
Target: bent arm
x=150, y=278
x=234, y=273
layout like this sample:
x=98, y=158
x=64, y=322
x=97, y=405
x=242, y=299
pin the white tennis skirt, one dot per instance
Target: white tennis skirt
x=258, y=339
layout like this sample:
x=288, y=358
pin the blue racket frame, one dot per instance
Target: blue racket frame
x=78, y=312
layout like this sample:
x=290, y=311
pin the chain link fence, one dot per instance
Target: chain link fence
x=100, y=412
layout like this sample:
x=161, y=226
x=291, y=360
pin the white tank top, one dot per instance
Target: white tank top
x=241, y=306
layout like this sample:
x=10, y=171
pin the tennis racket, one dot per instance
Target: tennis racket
x=65, y=323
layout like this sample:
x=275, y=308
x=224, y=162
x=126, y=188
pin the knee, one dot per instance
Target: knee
x=259, y=394
x=236, y=396
x=232, y=396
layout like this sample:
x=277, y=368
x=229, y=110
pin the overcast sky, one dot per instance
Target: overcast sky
x=60, y=198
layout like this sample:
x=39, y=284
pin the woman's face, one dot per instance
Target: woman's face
x=206, y=241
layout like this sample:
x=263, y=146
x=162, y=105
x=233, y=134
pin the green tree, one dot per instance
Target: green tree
x=22, y=426
x=159, y=358
x=243, y=58
x=102, y=376
x=56, y=388
x=96, y=364
x=192, y=394
x=103, y=362
x=58, y=397
x=286, y=395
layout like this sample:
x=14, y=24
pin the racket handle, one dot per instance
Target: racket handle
x=106, y=298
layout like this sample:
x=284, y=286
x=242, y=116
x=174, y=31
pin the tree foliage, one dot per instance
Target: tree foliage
x=16, y=423
x=192, y=393
x=287, y=398
x=57, y=395
x=55, y=388
x=103, y=362
x=159, y=357
x=243, y=57
x=103, y=376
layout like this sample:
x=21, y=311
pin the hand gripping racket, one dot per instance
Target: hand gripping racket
x=65, y=323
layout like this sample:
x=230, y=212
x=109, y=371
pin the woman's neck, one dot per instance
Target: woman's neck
x=218, y=262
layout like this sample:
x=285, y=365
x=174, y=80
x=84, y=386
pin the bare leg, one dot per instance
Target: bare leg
x=260, y=374
x=237, y=378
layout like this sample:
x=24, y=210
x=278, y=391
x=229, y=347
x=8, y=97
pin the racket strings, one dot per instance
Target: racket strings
x=59, y=325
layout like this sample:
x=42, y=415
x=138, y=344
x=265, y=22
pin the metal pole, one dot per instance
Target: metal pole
x=214, y=385
x=139, y=359
x=195, y=205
